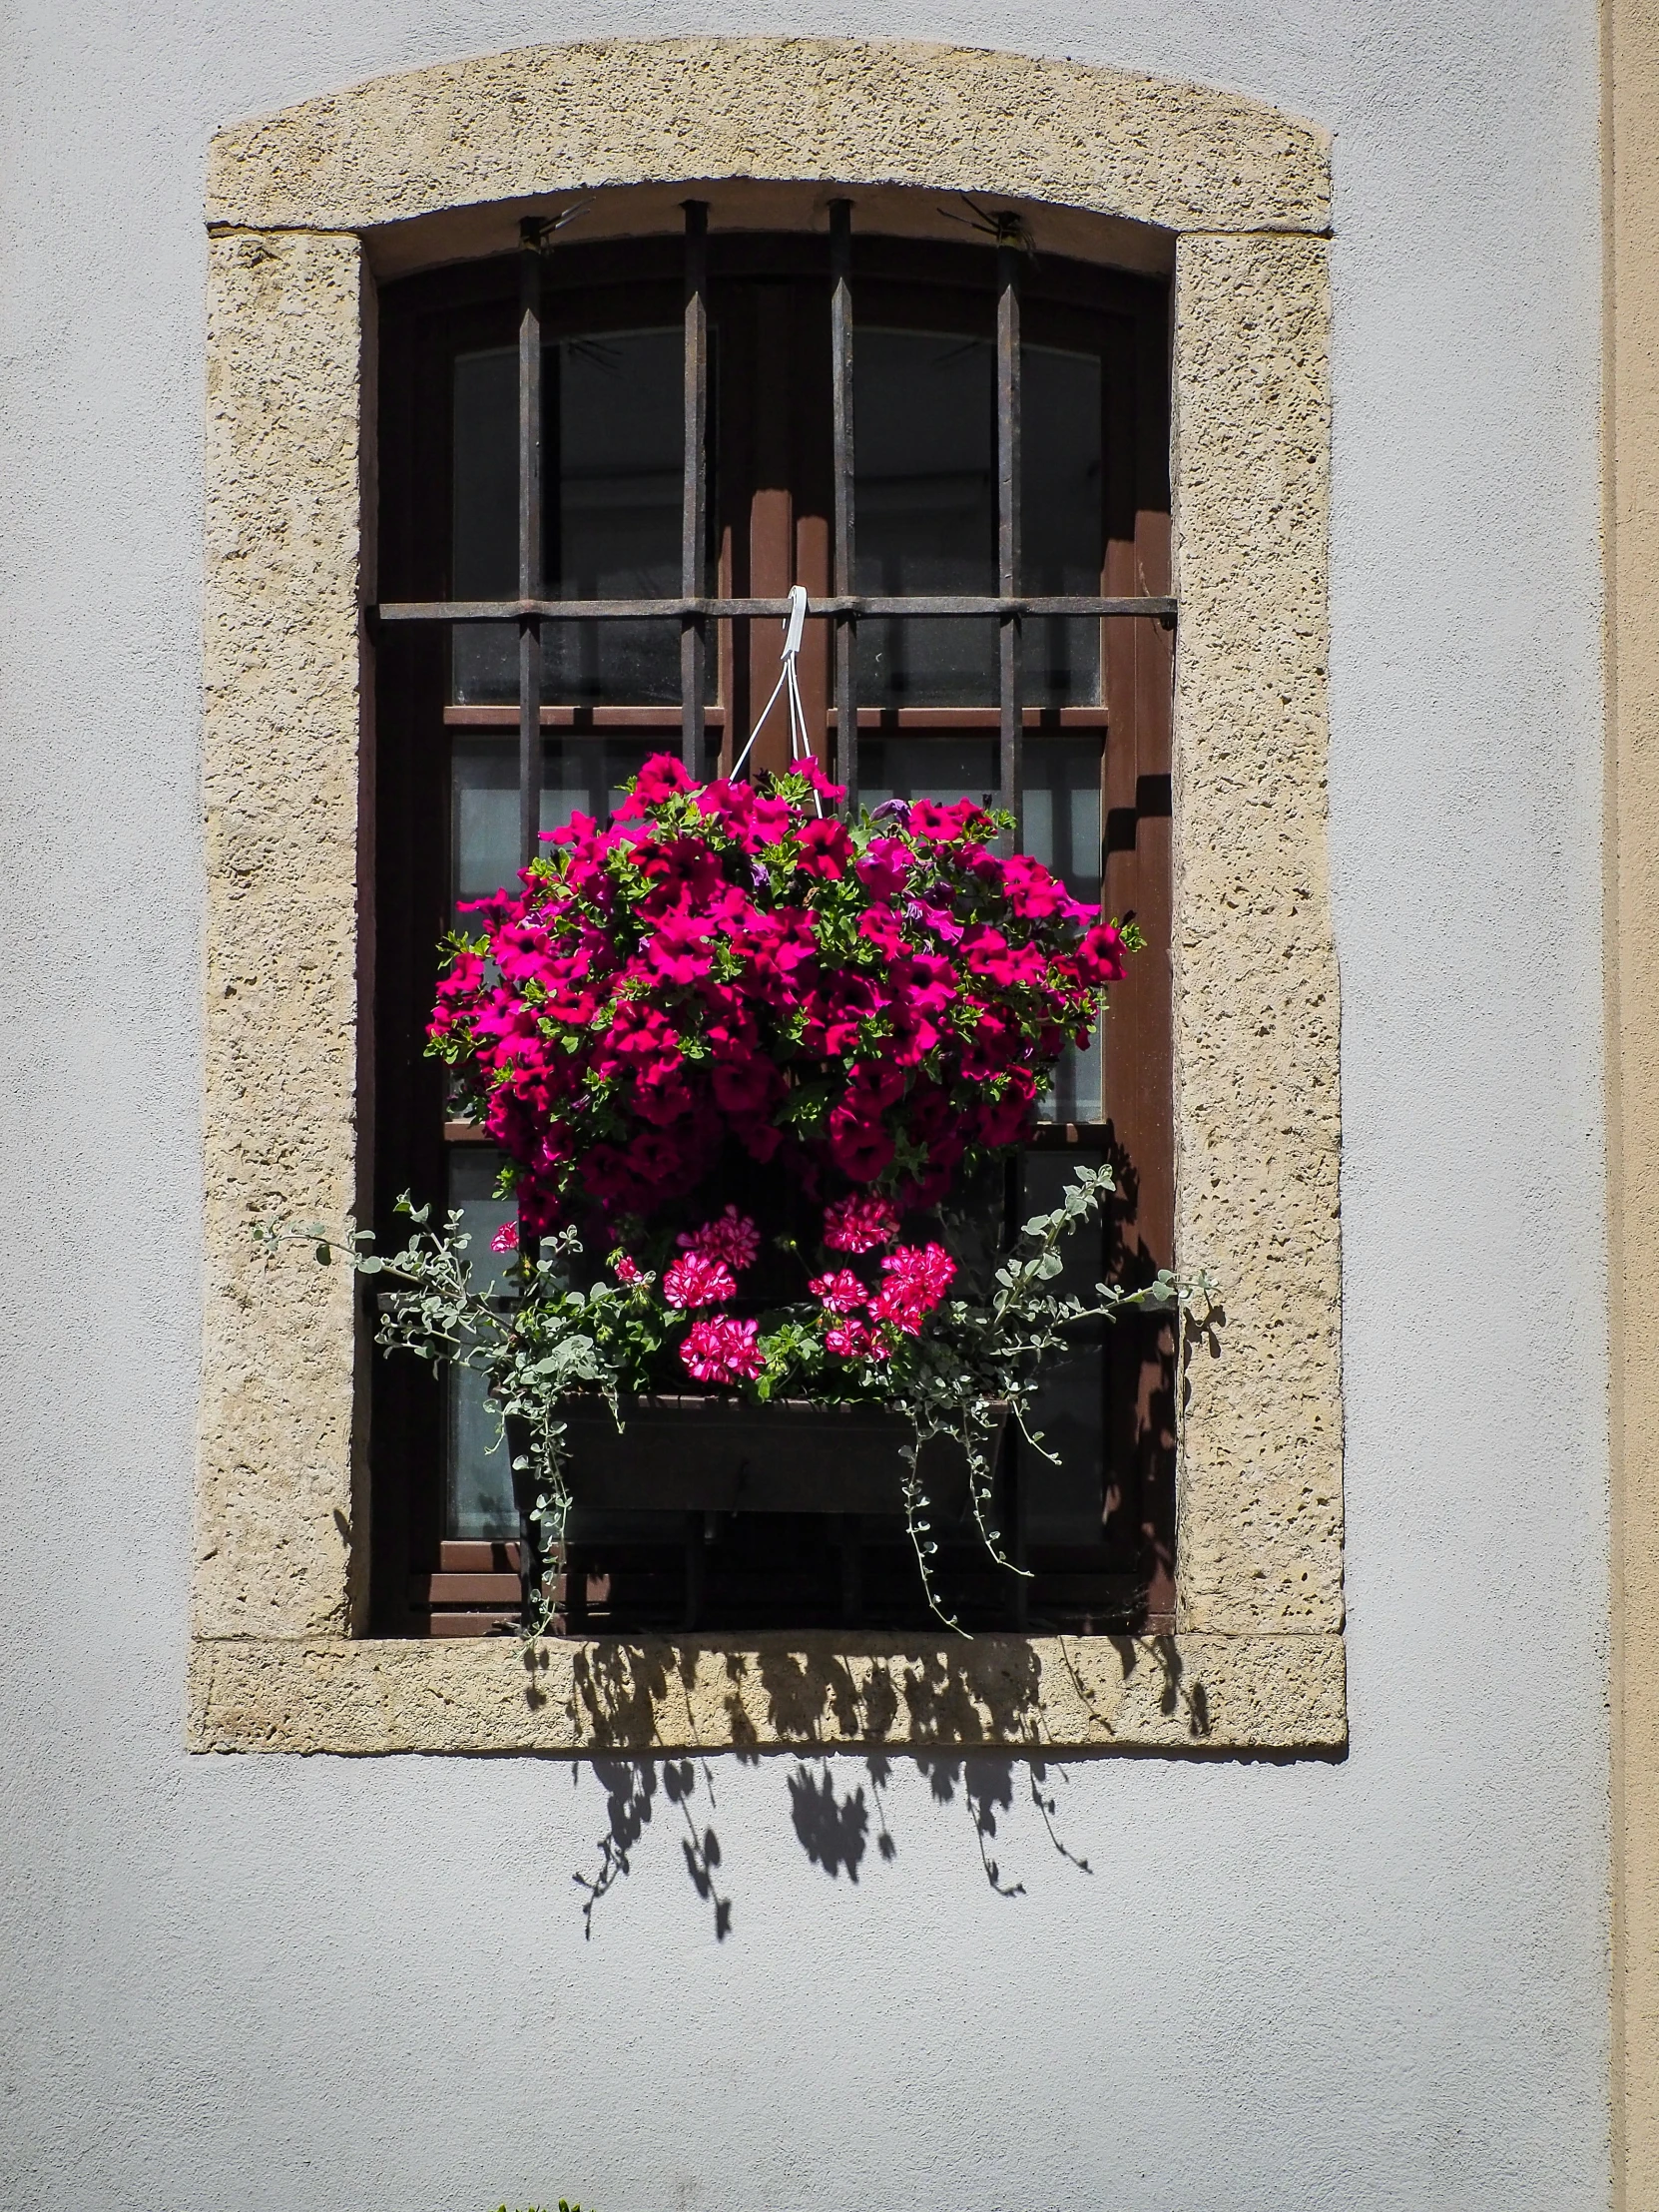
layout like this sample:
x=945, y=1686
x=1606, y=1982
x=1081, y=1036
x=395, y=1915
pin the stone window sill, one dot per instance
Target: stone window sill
x=1191, y=1692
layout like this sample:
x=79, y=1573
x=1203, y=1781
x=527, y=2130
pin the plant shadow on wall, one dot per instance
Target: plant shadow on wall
x=980, y=1691
x=833, y=1827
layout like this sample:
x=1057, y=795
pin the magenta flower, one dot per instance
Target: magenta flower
x=505, y=1238
x=695, y=1281
x=728, y=965
x=839, y=1292
x=823, y=848
x=627, y=1272
x=916, y=1278
x=861, y=1148
x=722, y=1350
x=859, y=1225
x=731, y=1238
x=850, y=1339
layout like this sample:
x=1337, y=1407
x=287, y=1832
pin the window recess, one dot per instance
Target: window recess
x=603, y=468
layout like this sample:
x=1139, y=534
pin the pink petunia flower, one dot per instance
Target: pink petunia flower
x=722, y=1350
x=823, y=848
x=696, y=1281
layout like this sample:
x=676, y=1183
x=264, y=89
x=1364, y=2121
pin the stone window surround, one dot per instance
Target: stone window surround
x=303, y=208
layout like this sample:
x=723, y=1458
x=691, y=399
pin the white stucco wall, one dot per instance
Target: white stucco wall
x=331, y=1984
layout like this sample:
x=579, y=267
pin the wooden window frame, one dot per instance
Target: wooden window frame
x=779, y=510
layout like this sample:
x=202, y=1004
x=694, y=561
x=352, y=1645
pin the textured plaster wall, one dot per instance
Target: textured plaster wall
x=331, y=1984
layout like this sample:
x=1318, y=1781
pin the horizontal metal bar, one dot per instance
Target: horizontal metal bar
x=580, y=723
x=986, y=606
x=584, y=720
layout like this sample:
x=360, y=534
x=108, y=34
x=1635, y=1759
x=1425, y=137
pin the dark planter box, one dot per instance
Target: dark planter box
x=720, y=1455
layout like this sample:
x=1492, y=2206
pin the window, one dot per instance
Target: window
x=318, y=213
x=952, y=373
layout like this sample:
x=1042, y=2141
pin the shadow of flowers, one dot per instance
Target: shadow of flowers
x=832, y=1826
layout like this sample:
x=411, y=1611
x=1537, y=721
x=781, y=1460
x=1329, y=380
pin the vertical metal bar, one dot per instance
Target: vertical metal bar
x=841, y=385
x=532, y=1567
x=1009, y=254
x=694, y=503
x=529, y=535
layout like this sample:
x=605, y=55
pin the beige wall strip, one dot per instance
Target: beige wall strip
x=1632, y=124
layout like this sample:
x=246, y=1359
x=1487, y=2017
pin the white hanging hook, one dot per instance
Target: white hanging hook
x=797, y=621
x=800, y=743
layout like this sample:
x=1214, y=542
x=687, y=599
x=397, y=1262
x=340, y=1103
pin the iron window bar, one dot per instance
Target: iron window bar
x=840, y=419
x=849, y=605
x=695, y=606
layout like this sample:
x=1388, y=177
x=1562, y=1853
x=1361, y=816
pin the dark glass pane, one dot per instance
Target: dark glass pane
x=479, y=1486
x=1063, y=830
x=1060, y=520
x=924, y=449
x=584, y=777
x=484, y=510
x=940, y=769
x=614, y=530
x=579, y=776
x=613, y=447
x=1066, y=1503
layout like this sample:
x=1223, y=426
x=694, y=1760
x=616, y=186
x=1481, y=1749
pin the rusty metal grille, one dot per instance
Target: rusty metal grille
x=695, y=608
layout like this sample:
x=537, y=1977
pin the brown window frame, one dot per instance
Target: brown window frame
x=734, y=577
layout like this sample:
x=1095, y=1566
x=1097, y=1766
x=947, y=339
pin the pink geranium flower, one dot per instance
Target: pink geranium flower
x=695, y=1281
x=731, y=1238
x=859, y=1225
x=838, y=1293
x=723, y=1351
x=916, y=1278
x=851, y=1339
x=505, y=1238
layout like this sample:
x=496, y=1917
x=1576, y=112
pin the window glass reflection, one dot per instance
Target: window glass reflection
x=1063, y=830
x=924, y=452
x=1060, y=520
x=579, y=776
x=584, y=777
x=485, y=522
x=941, y=769
x=614, y=530
x=478, y=1488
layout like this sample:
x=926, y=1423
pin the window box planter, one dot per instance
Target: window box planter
x=722, y=1455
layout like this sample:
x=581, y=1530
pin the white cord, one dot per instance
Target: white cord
x=800, y=745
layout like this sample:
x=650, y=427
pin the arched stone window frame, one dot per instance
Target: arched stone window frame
x=300, y=206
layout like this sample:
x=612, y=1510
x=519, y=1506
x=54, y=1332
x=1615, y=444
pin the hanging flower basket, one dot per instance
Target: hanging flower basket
x=729, y=969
